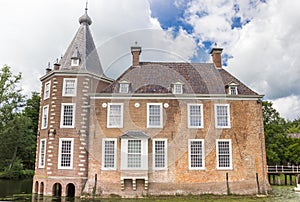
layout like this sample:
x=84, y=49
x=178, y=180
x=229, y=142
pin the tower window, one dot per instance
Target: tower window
x=75, y=62
x=70, y=87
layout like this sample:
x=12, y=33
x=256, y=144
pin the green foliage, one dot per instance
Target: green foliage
x=17, y=128
x=280, y=148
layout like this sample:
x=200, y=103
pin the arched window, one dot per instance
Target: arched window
x=70, y=191
x=42, y=188
x=36, y=187
x=56, y=190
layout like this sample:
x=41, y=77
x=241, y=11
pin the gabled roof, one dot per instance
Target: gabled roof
x=84, y=43
x=197, y=78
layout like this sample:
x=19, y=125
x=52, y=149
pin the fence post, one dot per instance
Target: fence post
x=276, y=168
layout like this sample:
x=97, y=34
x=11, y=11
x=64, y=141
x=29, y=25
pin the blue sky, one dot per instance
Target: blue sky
x=260, y=38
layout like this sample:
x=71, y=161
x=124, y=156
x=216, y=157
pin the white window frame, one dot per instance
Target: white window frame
x=64, y=93
x=230, y=154
x=148, y=116
x=109, y=117
x=123, y=87
x=42, y=153
x=144, y=155
x=228, y=116
x=232, y=88
x=165, y=155
x=75, y=62
x=104, y=167
x=60, y=153
x=201, y=116
x=177, y=88
x=202, y=154
x=47, y=89
x=45, y=117
x=62, y=115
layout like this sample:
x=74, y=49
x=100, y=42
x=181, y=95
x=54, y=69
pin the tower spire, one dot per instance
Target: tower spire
x=85, y=19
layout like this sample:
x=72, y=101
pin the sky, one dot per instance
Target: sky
x=260, y=38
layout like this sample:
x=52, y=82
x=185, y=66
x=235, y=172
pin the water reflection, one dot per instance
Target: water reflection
x=41, y=198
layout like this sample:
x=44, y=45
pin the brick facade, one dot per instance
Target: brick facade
x=70, y=160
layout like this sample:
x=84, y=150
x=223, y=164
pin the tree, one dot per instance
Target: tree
x=275, y=133
x=293, y=151
x=11, y=100
x=31, y=111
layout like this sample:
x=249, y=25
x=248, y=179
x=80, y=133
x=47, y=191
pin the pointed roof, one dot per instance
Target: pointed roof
x=83, y=46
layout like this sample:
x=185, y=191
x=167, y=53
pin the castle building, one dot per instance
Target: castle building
x=161, y=128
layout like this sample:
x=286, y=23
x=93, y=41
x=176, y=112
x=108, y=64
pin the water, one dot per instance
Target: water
x=281, y=193
x=10, y=187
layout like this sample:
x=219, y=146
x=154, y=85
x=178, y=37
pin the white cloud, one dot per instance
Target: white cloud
x=289, y=107
x=36, y=32
x=264, y=51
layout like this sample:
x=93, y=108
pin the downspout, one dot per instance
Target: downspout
x=261, y=144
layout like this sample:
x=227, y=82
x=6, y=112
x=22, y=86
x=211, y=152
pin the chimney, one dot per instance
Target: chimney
x=136, y=51
x=56, y=65
x=216, y=54
x=48, y=69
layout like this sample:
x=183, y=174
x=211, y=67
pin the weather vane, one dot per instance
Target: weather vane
x=86, y=5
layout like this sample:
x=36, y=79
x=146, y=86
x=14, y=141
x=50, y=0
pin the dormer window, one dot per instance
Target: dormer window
x=75, y=62
x=177, y=88
x=232, y=88
x=75, y=59
x=124, y=87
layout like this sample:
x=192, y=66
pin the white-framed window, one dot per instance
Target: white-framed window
x=123, y=87
x=154, y=115
x=115, y=115
x=42, y=153
x=109, y=153
x=45, y=117
x=224, y=154
x=196, y=154
x=75, y=62
x=67, y=118
x=222, y=116
x=47, y=90
x=177, y=88
x=232, y=90
x=195, y=116
x=134, y=154
x=65, y=154
x=69, y=87
x=160, y=154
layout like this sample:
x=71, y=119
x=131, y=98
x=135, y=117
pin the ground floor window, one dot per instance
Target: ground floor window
x=224, y=154
x=109, y=152
x=196, y=154
x=65, y=156
x=159, y=147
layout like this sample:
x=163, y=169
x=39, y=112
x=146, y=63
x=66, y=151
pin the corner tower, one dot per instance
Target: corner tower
x=62, y=142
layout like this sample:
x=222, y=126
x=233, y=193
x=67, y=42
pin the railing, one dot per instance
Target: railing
x=283, y=169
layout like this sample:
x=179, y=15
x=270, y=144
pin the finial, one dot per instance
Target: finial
x=85, y=19
x=136, y=43
x=49, y=65
x=216, y=45
x=86, y=6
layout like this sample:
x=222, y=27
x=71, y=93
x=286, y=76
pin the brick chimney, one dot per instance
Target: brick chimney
x=216, y=54
x=136, y=51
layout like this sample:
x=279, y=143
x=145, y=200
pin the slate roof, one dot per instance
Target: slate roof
x=135, y=135
x=197, y=78
x=84, y=43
